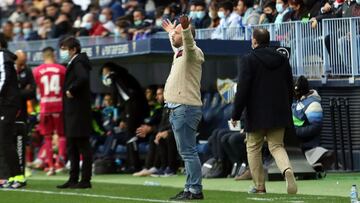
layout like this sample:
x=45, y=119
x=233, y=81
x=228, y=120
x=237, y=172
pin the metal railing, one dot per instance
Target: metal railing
x=331, y=49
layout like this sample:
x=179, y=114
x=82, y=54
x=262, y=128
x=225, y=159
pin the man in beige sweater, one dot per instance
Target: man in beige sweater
x=182, y=97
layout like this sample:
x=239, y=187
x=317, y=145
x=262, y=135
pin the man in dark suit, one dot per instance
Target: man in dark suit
x=265, y=89
x=77, y=112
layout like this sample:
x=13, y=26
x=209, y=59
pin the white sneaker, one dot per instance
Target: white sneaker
x=290, y=182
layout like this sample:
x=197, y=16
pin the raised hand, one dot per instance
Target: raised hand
x=168, y=26
x=184, y=21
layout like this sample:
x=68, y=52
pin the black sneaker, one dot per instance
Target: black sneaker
x=82, y=185
x=68, y=184
x=181, y=196
x=193, y=196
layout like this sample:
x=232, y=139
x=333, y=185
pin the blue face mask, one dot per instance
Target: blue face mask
x=358, y=1
x=192, y=14
x=64, y=56
x=106, y=80
x=117, y=33
x=102, y=18
x=137, y=22
x=221, y=14
x=88, y=26
x=27, y=31
x=200, y=14
x=279, y=8
x=16, y=30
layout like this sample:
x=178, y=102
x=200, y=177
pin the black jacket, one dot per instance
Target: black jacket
x=77, y=110
x=136, y=108
x=9, y=91
x=27, y=90
x=265, y=89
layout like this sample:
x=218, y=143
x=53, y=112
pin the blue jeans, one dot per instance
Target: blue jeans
x=184, y=121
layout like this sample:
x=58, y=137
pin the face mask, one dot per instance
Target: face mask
x=27, y=31
x=192, y=14
x=106, y=80
x=104, y=3
x=117, y=32
x=200, y=14
x=102, y=18
x=87, y=26
x=279, y=8
x=17, y=30
x=358, y=1
x=269, y=16
x=221, y=15
x=137, y=22
x=158, y=22
x=64, y=56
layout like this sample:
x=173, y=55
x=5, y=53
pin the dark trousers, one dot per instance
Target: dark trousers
x=234, y=146
x=152, y=157
x=77, y=146
x=168, y=153
x=9, y=164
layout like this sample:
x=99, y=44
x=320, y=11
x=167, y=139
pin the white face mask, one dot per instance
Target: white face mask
x=221, y=14
x=158, y=22
x=106, y=80
x=358, y=1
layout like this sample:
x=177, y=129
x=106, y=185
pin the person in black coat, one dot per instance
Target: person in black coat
x=77, y=112
x=129, y=94
x=265, y=89
x=10, y=172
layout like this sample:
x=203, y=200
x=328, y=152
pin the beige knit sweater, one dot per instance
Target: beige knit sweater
x=183, y=84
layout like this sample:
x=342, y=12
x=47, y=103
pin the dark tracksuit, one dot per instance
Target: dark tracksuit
x=9, y=106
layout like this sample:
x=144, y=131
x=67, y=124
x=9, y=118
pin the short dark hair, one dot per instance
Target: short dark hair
x=270, y=4
x=248, y=3
x=3, y=42
x=199, y=3
x=142, y=11
x=72, y=43
x=227, y=5
x=262, y=36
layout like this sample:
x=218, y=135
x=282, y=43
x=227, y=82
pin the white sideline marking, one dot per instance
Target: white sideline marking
x=88, y=195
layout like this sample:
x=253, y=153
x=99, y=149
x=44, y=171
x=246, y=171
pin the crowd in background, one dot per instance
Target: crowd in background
x=138, y=19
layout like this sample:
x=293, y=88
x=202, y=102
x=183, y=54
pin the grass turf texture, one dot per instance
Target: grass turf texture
x=125, y=188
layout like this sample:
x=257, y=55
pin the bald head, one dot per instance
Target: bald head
x=21, y=59
x=260, y=37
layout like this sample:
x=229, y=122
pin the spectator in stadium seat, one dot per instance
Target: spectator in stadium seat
x=72, y=10
x=121, y=30
x=77, y=113
x=245, y=9
x=229, y=21
x=62, y=26
x=299, y=11
x=269, y=13
x=140, y=27
x=215, y=20
x=115, y=7
x=106, y=19
x=18, y=33
x=19, y=15
x=8, y=30
x=172, y=11
x=201, y=18
x=10, y=172
x=93, y=26
x=128, y=92
x=282, y=8
x=29, y=33
x=52, y=11
x=45, y=30
x=265, y=73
